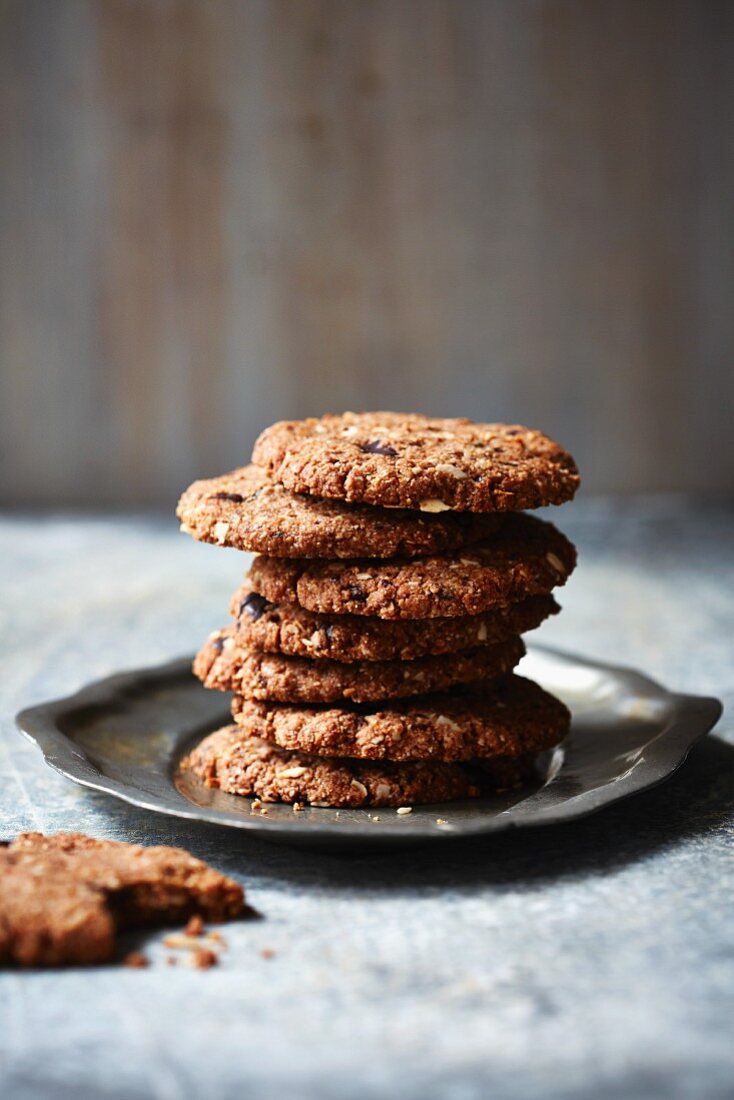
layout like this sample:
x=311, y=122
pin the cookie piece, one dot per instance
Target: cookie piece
x=289, y=629
x=64, y=897
x=248, y=511
x=225, y=664
x=527, y=557
x=47, y=917
x=410, y=461
x=513, y=718
x=246, y=765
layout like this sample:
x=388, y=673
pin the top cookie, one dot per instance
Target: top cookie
x=246, y=510
x=411, y=461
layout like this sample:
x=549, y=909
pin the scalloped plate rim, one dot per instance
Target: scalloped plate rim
x=693, y=716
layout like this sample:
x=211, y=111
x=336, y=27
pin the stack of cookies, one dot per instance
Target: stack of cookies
x=372, y=644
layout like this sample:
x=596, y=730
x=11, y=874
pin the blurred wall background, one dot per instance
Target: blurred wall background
x=216, y=214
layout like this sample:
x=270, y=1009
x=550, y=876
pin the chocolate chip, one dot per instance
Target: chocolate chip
x=377, y=447
x=218, y=644
x=236, y=498
x=329, y=631
x=254, y=605
x=356, y=593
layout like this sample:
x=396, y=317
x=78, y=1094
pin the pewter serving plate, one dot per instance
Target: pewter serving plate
x=126, y=735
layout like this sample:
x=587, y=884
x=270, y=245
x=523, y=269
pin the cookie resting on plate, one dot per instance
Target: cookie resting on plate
x=248, y=766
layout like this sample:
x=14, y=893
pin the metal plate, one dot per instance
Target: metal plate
x=126, y=734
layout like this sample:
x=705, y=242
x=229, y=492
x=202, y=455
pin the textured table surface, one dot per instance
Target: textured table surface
x=595, y=959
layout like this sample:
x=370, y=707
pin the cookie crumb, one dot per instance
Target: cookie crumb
x=297, y=808
x=216, y=937
x=267, y=953
x=404, y=810
x=171, y=960
x=182, y=941
x=195, y=926
x=202, y=959
x=441, y=821
x=136, y=960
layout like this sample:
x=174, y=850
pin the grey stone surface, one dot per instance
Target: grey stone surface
x=595, y=959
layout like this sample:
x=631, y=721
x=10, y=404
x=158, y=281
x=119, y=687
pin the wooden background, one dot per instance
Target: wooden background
x=215, y=214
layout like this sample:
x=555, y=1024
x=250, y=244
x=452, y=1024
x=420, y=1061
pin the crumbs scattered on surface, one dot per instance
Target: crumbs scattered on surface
x=402, y=810
x=267, y=953
x=182, y=941
x=136, y=960
x=202, y=959
x=195, y=926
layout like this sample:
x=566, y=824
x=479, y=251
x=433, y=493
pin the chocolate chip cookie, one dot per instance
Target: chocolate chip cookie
x=246, y=765
x=225, y=664
x=246, y=510
x=289, y=629
x=527, y=557
x=411, y=461
x=64, y=897
x=513, y=718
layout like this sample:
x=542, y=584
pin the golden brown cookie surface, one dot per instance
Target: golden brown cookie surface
x=513, y=718
x=248, y=766
x=409, y=461
x=290, y=629
x=225, y=664
x=63, y=897
x=527, y=557
x=247, y=510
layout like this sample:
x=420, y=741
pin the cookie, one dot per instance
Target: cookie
x=289, y=629
x=511, y=719
x=248, y=511
x=410, y=461
x=225, y=664
x=246, y=765
x=527, y=557
x=64, y=897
